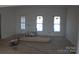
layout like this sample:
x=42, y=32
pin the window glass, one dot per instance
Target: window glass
x=56, y=23
x=22, y=22
x=39, y=24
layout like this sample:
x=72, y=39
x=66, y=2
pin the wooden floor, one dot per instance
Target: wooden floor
x=57, y=45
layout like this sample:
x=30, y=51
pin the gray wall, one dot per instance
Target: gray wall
x=78, y=40
x=78, y=34
x=71, y=26
x=47, y=13
x=11, y=20
x=8, y=22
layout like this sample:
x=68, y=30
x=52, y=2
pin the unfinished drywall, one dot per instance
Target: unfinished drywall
x=71, y=28
x=8, y=22
x=47, y=13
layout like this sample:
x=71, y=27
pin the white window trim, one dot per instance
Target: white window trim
x=23, y=23
x=57, y=24
x=39, y=23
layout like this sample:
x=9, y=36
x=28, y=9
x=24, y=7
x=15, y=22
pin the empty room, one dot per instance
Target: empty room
x=39, y=29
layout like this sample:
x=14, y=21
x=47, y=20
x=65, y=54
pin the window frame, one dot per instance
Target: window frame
x=23, y=22
x=57, y=24
x=41, y=23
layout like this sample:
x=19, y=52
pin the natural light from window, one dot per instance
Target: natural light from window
x=56, y=23
x=39, y=25
x=22, y=22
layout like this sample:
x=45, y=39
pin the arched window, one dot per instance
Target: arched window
x=56, y=23
x=39, y=23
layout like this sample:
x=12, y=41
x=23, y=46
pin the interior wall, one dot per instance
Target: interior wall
x=78, y=34
x=71, y=25
x=8, y=22
x=78, y=41
x=0, y=25
x=47, y=13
